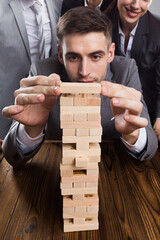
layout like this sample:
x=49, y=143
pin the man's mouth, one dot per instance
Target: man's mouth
x=132, y=13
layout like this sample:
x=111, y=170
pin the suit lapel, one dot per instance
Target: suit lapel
x=16, y=8
x=140, y=38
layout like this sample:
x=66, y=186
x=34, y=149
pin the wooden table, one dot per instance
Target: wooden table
x=129, y=192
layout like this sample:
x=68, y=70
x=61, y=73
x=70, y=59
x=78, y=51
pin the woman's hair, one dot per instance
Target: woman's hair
x=82, y=20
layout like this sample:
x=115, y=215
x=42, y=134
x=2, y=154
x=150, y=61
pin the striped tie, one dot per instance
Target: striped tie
x=36, y=8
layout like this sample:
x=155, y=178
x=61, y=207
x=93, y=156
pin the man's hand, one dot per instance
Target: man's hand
x=156, y=128
x=33, y=102
x=93, y=3
x=126, y=107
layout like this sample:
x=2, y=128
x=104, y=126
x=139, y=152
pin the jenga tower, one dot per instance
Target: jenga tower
x=81, y=123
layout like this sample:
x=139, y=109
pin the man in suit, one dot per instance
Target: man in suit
x=123, y=111
x=68, y=4
x=18, y=44
x=141, y=37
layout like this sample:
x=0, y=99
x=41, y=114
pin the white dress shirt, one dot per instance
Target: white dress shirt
x=32, y=29
x=86, y=5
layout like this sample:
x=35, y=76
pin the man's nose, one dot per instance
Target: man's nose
x=84, y=68
x=135, y=4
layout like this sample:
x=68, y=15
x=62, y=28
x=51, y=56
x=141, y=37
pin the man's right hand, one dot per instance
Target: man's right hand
x=33, y=102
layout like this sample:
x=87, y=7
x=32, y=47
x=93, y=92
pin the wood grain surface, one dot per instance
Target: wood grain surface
x=129, y=194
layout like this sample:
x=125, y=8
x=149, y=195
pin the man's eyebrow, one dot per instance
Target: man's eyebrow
x=98, y=52
x=71, y=53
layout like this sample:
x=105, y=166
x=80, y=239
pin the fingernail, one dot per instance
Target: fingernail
x=54, y=89
x=115, y=101
x=57, y=83
x=127, y=117
x=19, y=108
x=38, y=97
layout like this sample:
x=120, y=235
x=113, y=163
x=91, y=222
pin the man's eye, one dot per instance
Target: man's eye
x=72, y=58
x=96, y=57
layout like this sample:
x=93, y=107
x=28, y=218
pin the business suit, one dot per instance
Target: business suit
x=15, y=53
x=126, y=74
x=68, y=4
x=146, y=51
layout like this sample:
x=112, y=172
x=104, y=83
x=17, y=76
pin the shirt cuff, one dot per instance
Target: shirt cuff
x=25, y=142
x=140, y=143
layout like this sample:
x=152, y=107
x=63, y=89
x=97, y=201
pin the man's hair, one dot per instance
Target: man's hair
x=82, y=20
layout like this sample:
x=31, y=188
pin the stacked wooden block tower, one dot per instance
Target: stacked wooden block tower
x=81, y=124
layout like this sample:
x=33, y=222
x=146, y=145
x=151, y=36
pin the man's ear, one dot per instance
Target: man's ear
x=60, y=55
x=111, y=53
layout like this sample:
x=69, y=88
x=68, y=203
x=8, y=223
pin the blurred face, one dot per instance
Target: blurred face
x=85, y=56
x=130, y=11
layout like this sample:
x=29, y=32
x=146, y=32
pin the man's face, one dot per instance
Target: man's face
x=85, y=56
x=131, y=11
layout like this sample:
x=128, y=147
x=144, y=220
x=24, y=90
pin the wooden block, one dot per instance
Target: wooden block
x=78, y=197
x=68, y=160
x=94, y=159
x=67, y=117
x=82, y=132
x=80, y=215
x=68, y=209
x=92, y=208
x=95, y=131
x=80, y=209
x=80, y=100
x=81, y=162
x=69, y=150
x=79, y=221
x=91, y=184
x=80, y=178
x=69, y=132
x=81, y=140
x=80, y=125
x=80, y=117
x=78, y=170
x=66, y=100
x=94, y=117
x=66, y=173
x=93, y=100
x=70, y=87
x=80, y=109
x=79, y=191
x=82, y=145
x=92, y=171
x=88, y=199
x=90, y=224
x=79, y=185
x=65, y=185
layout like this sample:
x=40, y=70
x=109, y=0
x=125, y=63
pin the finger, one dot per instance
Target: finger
x=52, y=80
x=48, y=91
x=10, y=111
x=134, y=106
x=24, y=99
x=119, y=91
x=137, y=121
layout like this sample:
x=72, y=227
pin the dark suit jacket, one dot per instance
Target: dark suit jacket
x=68, y=4
x=121, y=70
x=146, y=52
x=15, y=52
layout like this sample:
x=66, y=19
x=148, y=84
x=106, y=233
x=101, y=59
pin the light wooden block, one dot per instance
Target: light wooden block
x=88, y=199
x=70, y=87
x=66, y=173
x=81, y=162
x=82, y=139
x=78, y=221
x=66, y=100
x=80, y=215
x=80, y=209
x=93, y=100
x=79, y=191
x=78, y=197
x=79, y=170
x=82, y=132
x=79, y=185
x=92, y=209
x=69, y=132
x=82, y=145
x=94, y=117
x=91, y=184
x=67, y=117
x=68, y=160
x=68, y=209
x=65, y=185
x=80, y=178
x=69, y=226
x=80, y=109
x=92, y=171
x=80, y=117
x=95, y=131
x=80, y=100
x=80, y=125
x=94, y=159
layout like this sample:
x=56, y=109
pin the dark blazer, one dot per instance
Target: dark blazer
x=122, y=71
x=67, y=4
x=14, y=51
x=146, y=52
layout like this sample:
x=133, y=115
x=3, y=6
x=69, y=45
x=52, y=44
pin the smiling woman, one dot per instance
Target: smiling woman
x=136, y=35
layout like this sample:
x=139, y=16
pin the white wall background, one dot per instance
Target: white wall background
x=155, y=7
